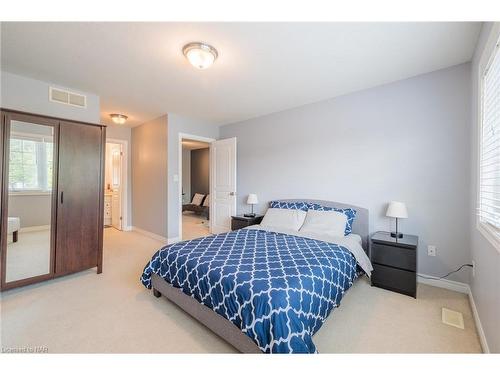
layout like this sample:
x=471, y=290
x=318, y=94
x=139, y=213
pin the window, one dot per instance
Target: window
x=30, y=163
x=489, y=168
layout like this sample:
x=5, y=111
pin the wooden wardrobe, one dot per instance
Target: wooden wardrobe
x=50, y=164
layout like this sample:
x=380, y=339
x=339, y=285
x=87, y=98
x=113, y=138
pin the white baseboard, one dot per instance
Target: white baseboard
x=37, y=228
x=150, y=234
x=479, y=326
x=443, y=283
x=128, y=228
x=462, y=288
x=155, y=236
x=172, y=240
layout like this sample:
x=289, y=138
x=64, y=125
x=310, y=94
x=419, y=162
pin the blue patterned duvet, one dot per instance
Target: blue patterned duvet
x=277, y=288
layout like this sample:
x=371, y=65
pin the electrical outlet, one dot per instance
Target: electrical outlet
x=473, y=268
x=431, y=250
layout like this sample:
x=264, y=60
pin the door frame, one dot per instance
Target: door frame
x=193, y=137
x=124, y=181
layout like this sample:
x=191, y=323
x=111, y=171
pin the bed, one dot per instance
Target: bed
x=262, y=290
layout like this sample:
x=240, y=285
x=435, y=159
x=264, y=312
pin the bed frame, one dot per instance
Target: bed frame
x=223, y=327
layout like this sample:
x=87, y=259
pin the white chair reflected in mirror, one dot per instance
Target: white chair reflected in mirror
x=13, y=226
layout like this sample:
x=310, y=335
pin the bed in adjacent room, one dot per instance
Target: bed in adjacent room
x=268, y=288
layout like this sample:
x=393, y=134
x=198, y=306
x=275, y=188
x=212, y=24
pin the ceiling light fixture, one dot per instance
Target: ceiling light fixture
x=118, y=118
x=200, y=55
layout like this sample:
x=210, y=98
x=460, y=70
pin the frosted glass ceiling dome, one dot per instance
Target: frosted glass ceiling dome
x=200, y=55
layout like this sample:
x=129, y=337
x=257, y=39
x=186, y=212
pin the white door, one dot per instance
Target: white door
x=223, y=195
x=116, y=200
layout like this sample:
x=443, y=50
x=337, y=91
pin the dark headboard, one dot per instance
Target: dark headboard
x=360, y=225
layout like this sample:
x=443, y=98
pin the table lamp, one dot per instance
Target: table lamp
x=252, y=199
x=397, y=210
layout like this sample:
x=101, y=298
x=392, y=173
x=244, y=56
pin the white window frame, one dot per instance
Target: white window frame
x=36, y=138
x=489, y=51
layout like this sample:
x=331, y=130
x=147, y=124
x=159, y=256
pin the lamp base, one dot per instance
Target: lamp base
x=397, y=234
x=249, y=215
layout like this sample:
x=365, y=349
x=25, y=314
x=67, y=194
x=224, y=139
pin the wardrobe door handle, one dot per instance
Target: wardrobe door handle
x=62, y=197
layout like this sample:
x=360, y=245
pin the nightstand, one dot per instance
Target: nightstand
x=394, y=262
x=239, y=222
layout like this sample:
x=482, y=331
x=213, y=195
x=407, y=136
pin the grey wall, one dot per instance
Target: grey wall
x=33, y=210
x=179, y=124
x=406, y=141
x=31, y=95
x=485, y=285
x=186, y=175
x=200, y=171
x=149, y=176
x=124, y=133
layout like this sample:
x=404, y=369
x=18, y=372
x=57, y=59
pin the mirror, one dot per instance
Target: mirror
x=30, y=171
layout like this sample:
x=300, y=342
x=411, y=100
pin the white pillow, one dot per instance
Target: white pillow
x=206, y=202
x=197, y=199
x=284, y=218
x=331, y=223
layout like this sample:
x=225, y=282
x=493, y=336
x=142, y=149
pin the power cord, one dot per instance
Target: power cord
x=448, y=274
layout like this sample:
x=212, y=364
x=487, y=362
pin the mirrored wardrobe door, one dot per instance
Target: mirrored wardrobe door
x=30, y=157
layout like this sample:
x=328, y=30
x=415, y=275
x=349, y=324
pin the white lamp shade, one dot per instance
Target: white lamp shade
x=252, y=199
x=397, y=209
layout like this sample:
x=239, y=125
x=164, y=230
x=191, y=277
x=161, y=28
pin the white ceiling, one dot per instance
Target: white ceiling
x=138, y=68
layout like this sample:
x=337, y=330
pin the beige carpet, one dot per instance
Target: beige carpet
x=113, y=313
x=29, y=256
x=194, y=226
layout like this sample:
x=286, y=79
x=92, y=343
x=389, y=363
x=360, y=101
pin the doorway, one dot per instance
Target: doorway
x=221, y=202
x=115, y=185
x=194, y=180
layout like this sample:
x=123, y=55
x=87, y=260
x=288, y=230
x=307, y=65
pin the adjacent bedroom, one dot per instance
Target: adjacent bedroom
x=195, y=171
